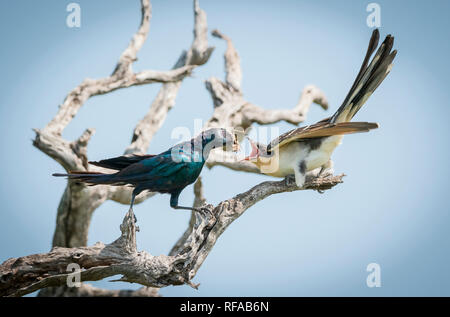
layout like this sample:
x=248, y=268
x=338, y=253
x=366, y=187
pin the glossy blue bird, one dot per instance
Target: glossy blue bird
x=168, y=172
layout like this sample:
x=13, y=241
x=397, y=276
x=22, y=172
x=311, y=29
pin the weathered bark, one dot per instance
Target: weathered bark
x=86, y=290
x=20, y=276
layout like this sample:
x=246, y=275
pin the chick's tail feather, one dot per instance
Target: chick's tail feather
x=369, y=77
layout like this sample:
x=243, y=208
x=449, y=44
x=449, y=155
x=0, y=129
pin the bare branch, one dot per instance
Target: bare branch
x=20, y=276
x=87, y=290
x=129, y=54
x=121, y=77
x=221, y=158
x=233, y=111
x=232, y=63
x=198, y=54
x=311, y=94
x=90, y=87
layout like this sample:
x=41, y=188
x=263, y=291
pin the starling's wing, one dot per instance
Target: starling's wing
x=161, y=165
x=319, y=130
x=160, y=170
x=119, y=163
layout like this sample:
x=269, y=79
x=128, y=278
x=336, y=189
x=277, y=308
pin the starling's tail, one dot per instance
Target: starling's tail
x=368, y=79
x=92, y=178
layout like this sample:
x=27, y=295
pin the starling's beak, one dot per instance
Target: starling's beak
x=254, y=153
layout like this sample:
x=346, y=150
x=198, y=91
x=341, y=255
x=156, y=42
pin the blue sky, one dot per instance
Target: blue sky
x=392, y=208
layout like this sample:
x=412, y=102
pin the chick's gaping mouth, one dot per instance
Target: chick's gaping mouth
x=254, y=153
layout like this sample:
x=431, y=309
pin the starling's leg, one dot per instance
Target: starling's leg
x=174, y=204
x=174, y=201
x=184, y=208
x=201, y=210
x=133, y=196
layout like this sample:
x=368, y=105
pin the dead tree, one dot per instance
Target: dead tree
x=48, y=271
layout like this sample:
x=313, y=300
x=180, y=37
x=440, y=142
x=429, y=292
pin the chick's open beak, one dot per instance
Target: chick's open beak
x=254, y=153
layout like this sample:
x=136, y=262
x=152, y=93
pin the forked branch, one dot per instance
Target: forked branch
x=21, y=276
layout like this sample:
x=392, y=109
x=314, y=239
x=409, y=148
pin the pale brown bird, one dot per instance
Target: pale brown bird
x=307, y=148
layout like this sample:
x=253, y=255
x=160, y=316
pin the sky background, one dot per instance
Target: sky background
x=392, y=209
